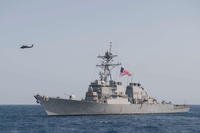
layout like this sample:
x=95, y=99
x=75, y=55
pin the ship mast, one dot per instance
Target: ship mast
x=107, y=64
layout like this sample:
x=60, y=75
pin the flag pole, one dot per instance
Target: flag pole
x=131, y=79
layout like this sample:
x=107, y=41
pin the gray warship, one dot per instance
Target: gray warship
x=106, y=96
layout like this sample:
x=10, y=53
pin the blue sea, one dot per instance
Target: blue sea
x=32, y=119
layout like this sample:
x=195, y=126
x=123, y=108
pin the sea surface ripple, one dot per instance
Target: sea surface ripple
x=32, y=119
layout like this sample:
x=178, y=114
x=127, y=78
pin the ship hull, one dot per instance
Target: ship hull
x=58, y=106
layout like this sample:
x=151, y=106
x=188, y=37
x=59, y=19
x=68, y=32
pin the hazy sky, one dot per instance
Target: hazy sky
x=157, y=40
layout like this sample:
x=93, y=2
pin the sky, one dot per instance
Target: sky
x=158, y=41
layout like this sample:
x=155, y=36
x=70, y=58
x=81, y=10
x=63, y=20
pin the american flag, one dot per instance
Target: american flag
x=124, y=72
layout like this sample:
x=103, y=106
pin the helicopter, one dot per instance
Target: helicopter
x=26, y=46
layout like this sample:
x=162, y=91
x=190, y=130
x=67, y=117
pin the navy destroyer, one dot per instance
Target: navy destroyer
x=106, y=96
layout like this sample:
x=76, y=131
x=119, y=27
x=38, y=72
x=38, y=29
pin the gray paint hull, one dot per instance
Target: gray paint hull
x=58, y=106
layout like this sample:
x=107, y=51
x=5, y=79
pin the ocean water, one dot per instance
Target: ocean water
x=32, y=119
